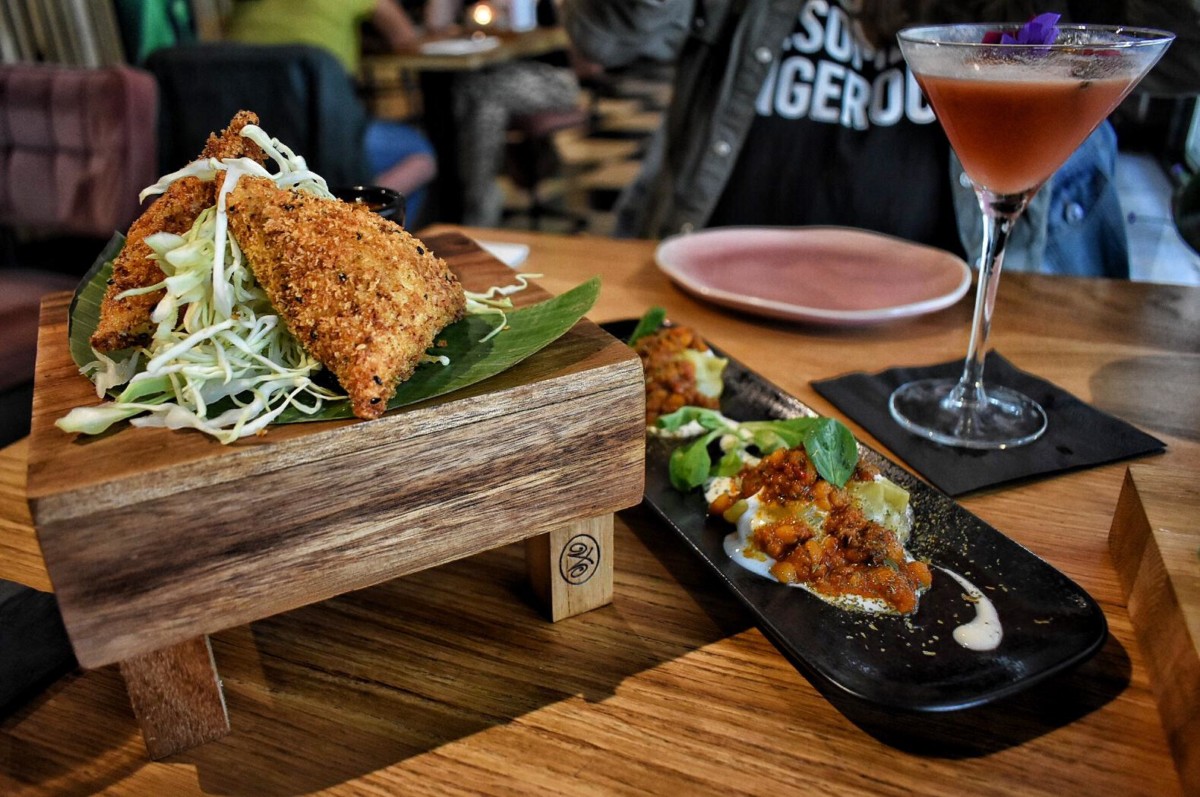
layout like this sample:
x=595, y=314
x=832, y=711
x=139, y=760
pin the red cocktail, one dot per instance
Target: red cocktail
x=1011, y=135
x=1014, y=111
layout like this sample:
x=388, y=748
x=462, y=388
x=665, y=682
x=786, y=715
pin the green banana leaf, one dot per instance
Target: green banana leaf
x=527, y=331
x=84, y=313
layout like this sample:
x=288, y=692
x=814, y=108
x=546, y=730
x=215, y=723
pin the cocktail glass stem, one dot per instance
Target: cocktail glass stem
x=1000, y=213
x=963, y=412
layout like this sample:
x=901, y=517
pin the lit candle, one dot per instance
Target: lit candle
x=482, y=15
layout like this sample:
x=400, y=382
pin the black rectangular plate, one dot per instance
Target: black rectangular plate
x=909, y=663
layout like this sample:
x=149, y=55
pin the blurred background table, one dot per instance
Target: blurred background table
x=511, y=45
x=450, y=682
x=436, y=75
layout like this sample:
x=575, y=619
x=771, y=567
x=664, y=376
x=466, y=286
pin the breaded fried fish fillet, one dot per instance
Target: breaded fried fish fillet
x=360, y=294
x=126, y=322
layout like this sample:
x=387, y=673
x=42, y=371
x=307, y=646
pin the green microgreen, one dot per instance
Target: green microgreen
x=829, y=444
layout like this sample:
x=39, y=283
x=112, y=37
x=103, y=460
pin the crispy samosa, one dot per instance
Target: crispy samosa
x=126, y=322
x=363, y=296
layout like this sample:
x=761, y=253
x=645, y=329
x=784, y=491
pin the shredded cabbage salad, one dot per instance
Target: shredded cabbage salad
x=217, y=336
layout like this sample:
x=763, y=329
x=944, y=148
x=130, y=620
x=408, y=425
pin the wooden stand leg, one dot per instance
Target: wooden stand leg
x=177, y=698
x=571, y=568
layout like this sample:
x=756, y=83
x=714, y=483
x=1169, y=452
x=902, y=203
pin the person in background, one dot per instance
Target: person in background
x=803, y=112
x=400, y=156
x=485, y=101
x=484, y=104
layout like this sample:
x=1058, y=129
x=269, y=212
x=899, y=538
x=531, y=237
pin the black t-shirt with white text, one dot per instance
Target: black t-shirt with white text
x=842, y=136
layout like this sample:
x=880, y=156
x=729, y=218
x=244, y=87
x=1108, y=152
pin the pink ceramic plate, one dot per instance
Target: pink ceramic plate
x=823, y=275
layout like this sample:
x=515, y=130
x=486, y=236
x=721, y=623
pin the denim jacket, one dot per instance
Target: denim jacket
x=1074, y=225
x=723, y=50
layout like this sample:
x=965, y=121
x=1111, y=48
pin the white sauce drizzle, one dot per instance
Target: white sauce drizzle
x=985, y=631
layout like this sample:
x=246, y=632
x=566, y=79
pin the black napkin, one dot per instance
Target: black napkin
x=1077, y=435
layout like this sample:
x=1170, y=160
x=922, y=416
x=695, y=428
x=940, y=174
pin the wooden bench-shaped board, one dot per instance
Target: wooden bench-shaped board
x=154, y=537
x=1155, y=546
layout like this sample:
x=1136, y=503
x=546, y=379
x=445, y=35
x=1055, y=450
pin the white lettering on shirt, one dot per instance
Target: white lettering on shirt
x=827, y=92
x=810, y=33
x=887, y=98
x=915, y=106
x=855, y=96
x=840, y=41
x=793, y=88
x=831, y=87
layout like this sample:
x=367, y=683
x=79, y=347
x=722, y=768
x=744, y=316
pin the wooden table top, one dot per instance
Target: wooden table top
x=449, y=682
x=512, y=45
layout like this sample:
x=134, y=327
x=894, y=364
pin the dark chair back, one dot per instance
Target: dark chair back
x=76, y=147
x=302, y=96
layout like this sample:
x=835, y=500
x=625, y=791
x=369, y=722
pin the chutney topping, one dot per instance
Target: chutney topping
x=818, y=534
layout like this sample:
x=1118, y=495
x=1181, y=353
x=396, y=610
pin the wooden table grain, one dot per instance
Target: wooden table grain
x=448, y=681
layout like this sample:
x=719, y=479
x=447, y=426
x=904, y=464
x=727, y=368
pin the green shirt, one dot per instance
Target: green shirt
x=329, y=24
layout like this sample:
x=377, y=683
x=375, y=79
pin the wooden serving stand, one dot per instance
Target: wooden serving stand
x=154, y=539
x=1155, y=546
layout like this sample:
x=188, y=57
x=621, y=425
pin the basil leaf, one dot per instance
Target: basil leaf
x=800, y=424
x=772, y=435
x=649, y=323
x=832, y=449
x=767, y=440
x=829, y=444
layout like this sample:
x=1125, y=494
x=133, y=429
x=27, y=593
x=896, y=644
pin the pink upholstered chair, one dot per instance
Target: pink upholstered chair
x=76, y=147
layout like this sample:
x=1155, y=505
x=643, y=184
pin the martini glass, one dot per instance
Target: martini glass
x=1013, y=113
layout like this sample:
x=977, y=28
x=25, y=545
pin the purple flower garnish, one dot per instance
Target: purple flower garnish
x=1042, y=29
